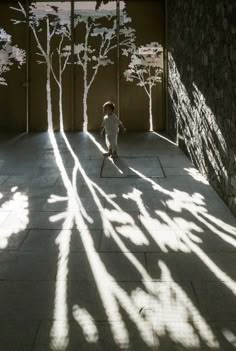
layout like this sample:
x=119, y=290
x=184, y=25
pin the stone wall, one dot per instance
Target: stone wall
x=201, y=44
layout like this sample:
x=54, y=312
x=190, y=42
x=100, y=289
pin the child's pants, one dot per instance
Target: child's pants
x=111, y=141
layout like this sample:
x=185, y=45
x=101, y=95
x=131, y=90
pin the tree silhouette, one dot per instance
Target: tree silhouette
x=9, y=55
x=91, y=54
x=56, y=18
x=145, y=68
x=64, y=32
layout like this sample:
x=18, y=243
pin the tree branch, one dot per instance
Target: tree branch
x=38, y=42
x=111, y=48
x=60, y=44
x=93, y=76
x=125, y=42
x=108, y=47
x=79, y=60
x=21, y=9
x=141, y=77
x=98, y=65
x=53, y=32
x=65, y=63
x=53, y=72
x=68, y=34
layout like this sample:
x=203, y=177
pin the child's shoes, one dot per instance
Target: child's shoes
x=109, y=153
x=114, y=155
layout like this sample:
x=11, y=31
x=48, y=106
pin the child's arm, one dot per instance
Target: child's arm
x=102, y=129
x=121, y=125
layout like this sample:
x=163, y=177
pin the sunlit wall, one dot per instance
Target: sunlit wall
x=201, y=88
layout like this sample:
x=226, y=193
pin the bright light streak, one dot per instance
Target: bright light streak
x=173, y=301
x=204, y=330
x=87, y=324
x=55, y=198
x=185, y=227
x=60, y=331
x=99, y=146
x=222, y=276
x=102, y=277
x=116, y=166
x=58, y=217
x=219, y=223
x=229, y=336
x=162, y=137
x=170, y=300
x=59, y=336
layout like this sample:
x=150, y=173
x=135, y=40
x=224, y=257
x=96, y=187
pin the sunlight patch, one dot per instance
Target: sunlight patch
x=229, y=336
x=193, y=172
x=59, y=336
x=87, y=324
x=14, y=217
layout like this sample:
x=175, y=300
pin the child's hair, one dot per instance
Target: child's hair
x=110, y=105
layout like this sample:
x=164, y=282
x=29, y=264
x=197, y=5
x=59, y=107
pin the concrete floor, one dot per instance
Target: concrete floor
x=136, y=253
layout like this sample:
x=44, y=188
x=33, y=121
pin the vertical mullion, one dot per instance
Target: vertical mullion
x=118, y=54
x=165, y=58
x=73, y=65
x=27, y=73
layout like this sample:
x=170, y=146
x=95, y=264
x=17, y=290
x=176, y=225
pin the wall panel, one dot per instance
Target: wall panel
x=95, y=61
x=142, y=67
x=13, y=53
x=50, y=65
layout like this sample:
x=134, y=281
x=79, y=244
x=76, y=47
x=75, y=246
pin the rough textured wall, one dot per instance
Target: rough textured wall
x=201, y=43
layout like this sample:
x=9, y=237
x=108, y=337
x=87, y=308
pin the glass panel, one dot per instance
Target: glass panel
x=50, y=68
x=13, y=52
x=95, y=61
x=68, y=84
x=141, y=69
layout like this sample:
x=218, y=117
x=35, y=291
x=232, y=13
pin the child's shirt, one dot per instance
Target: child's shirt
x=111, y=124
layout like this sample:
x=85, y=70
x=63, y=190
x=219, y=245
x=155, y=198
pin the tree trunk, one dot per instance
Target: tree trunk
x=49, y=101
x=60, y=104
x=85, y=98
x=48, y=85
x=150, y=110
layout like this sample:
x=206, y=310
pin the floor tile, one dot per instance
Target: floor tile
x=144, y=261
x=49, y=240
x=18, y=335
x=131, y=167
x=89, y=335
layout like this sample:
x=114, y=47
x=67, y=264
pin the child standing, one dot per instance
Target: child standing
x=111, y=125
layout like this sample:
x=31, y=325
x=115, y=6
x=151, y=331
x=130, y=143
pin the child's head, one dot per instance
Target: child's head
x=108, y=107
